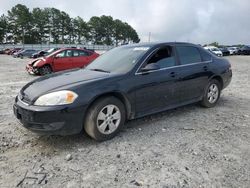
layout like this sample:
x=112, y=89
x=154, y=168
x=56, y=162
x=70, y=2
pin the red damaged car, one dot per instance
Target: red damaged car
x=63, y=59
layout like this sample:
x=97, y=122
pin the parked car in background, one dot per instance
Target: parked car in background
x=44, y=53
x=245, y=50
x=24, y=53
x=7, y=50
x=14, y=50
x=63, y=59
x=214, y=50
x=233, y=50
x=39, y=54
x=225, y=51
x=125, y=83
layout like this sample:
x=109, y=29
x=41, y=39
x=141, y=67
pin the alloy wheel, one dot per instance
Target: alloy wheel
x=213, y=93
x=108, y=119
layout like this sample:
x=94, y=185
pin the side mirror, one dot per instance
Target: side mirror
x=150, y=67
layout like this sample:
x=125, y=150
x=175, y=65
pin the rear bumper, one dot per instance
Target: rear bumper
x=227, y=78
x=56, y=120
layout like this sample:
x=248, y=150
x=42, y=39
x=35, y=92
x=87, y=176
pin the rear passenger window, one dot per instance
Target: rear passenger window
x=188, y=54
x=82, y=53
x=75, y=53
x=206, y=56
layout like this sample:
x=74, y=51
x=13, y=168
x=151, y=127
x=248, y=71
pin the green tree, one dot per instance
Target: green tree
x=216, y=44
x=105, y=30
x=96, y=30
x=118, y=31
x=40, y=22
x=3, y=28
x=19, y=19
x=64, y=26
x=53, y=25
x=81, y=30
x=107, y=23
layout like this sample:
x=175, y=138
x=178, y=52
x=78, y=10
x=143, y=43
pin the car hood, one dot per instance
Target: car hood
x=34, y=62
x=47, y=84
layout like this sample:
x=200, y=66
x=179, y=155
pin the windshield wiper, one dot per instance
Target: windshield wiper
x=100, y=70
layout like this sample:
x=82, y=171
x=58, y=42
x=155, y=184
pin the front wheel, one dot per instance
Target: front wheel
x=45, y=70
x=212, y=94
x=105, y=118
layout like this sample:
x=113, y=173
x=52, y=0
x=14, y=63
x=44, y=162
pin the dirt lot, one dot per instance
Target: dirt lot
x=186, y=147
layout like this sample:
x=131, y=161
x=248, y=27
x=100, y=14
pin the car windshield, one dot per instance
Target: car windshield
x=118, y=60
x=215, y=49
x=51, y=51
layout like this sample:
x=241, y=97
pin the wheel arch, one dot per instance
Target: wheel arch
x=219, y=79
x=46, y=64
x=118, y=95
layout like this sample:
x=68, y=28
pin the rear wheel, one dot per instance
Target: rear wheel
x=212, y=94
x=105, y=118
x=45, y=70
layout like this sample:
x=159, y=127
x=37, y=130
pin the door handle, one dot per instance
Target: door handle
x=205, y=68
x=172, y=74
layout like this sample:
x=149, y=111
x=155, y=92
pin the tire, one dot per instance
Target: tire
x=46, y=69
x=105, y=118
x=211, y=94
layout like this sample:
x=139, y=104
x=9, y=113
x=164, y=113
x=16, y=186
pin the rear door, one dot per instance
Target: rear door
x=80, y=58
x=63, y=60
x=193, y=74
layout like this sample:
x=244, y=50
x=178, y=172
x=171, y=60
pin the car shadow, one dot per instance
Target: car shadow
x=82, y=140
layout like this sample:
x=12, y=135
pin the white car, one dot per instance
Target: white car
x=214, y=50
x=233, y=50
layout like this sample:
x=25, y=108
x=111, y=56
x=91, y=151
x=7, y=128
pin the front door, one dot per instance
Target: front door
x=63, y=60
x=155, y=90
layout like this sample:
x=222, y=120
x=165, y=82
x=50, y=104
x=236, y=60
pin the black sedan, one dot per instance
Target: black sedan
x=225, y=51
x=24, y=53
x=43, y=53
x=245, y=50
x=125, y=83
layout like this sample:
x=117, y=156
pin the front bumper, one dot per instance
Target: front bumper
x=54, y=120
x=31, y=70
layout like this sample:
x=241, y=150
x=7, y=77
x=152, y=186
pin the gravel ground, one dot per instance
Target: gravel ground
x=185, y=147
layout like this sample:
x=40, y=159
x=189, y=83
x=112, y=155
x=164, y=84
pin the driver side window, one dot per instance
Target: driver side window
x=61, y=54
x=164, y=57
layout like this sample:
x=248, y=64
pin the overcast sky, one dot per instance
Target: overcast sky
x=197, y=21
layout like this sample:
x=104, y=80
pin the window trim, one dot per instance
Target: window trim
x=176, y=66
x=87, y=54
x=137, y=72
x=151, y=54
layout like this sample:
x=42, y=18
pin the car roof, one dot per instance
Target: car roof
x=61, y=49
x=154, y=44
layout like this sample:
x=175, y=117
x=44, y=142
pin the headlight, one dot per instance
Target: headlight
x=56, y=98
x=37, y=62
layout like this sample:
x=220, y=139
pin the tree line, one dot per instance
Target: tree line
x=50, y=25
